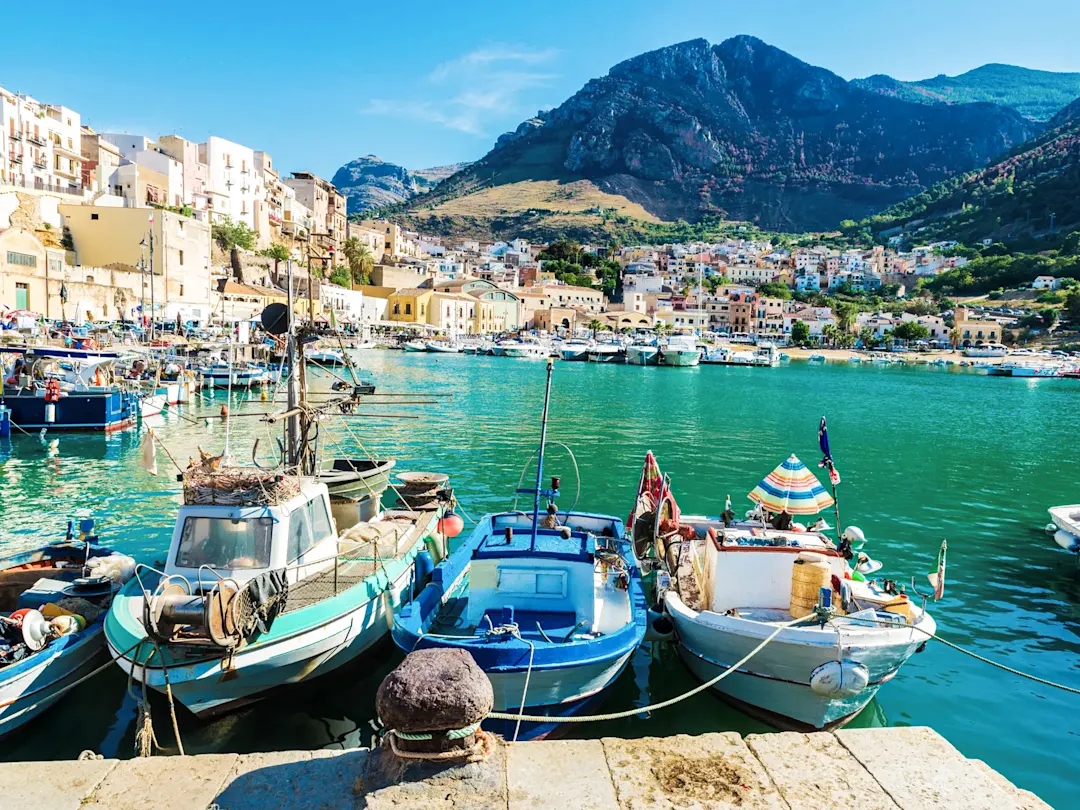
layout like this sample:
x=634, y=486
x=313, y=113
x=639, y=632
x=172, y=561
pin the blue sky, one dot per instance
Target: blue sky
x=426, y=83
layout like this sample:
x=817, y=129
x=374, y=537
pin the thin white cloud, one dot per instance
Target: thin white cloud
x=474, y=91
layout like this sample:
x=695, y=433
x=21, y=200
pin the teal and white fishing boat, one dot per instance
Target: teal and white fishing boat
x=268, y=580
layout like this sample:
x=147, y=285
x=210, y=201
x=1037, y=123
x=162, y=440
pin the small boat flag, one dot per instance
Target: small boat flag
x=937, y=578
x=826, y=460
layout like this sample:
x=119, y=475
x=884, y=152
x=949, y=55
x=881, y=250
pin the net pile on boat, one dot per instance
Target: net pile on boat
x=237, y=486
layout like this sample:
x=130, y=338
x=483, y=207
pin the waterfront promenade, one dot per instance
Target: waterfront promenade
x=910, y=768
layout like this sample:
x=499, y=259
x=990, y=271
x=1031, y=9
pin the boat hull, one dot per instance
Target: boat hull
x=775, y=683
x=207, y=690
x=681, y=359
x=604, y=357
x=32, y=685
x=108, y=411
x=639, y=356
x=574, y=354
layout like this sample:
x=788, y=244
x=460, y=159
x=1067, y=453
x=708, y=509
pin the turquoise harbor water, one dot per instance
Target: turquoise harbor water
x=925, y=453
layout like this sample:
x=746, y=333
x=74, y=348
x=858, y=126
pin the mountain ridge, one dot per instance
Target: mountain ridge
x=371, y=182
x=741, y=130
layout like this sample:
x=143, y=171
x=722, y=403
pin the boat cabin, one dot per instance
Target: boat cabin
x=750, y=567
x=214, y=542
x=552, y=584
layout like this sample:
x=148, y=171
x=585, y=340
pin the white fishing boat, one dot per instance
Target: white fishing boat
x=643, y=353
x=151, y=405
x=680, y=350
x=443, y=347
x=764, y=355
x=575, y=349
x=816, y=358
x=223, y=374
x=324, y=357
x=734, y=584
x=416, y=346
x=1026, y=368
x=1066, y=526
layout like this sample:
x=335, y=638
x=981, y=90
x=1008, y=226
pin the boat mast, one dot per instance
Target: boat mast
x=540, y=460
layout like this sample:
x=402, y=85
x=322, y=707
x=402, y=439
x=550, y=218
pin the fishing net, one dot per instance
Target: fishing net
x=237, y=486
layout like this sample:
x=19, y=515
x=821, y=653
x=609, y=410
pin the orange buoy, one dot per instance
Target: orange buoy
x=451, y=525
x=224, y=411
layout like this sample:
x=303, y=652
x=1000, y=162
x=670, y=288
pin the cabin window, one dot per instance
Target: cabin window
x=225, y=543
x=308, y=525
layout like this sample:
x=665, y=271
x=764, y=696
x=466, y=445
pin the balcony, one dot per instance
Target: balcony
x=63, y=150
x=15, y=158
x=36, y=139
x=15, y=136
x=41, y=163
x=73, y=174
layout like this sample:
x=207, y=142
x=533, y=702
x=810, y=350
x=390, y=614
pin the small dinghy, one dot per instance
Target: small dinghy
x=550, y=606
x=731, y=584
x=52, y=606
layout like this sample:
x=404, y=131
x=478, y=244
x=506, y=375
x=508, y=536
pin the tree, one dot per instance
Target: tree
x=774, y=289
x=845, y=315
x=233, y=237
x=359, y=258
x=279, y=253
x=596, y=325
x=954, y=337
x=800, y=333
x=911, y=330
x=828, y=334
x=1072, y=307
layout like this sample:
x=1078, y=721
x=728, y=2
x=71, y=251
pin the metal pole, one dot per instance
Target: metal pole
x=292, y=427
x=540, y=460
x=152, y=305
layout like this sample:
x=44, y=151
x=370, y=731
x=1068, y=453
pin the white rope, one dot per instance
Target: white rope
x=595, y=718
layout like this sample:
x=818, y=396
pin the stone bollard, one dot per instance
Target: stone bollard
x=432, y=705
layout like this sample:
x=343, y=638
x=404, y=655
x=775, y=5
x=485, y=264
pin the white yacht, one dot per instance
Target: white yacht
x=681, y=350
x=524, y=350
x=643, y=353
x=575, y=349
x=605, y=353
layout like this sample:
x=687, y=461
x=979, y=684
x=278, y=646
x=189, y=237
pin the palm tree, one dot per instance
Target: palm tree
x=845, y=315
x=596, y=325
x=954, y=337
x=828, y=334
x=360, y=260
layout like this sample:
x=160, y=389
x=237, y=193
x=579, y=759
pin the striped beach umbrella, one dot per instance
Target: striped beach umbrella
x=792, y=488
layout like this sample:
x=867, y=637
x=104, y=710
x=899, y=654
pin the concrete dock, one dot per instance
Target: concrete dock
x=855, y=769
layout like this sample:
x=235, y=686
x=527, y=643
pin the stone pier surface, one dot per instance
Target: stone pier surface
x=853, y=769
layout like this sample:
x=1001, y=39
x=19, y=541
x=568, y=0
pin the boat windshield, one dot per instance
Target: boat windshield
x=225, y=543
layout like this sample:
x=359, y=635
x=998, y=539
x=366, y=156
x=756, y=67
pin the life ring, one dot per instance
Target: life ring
x=52, y=390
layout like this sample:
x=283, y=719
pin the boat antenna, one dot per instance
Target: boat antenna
x=292, y=424
x=540, y=459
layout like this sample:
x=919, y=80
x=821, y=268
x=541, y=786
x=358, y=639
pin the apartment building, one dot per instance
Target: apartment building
x=147, y=174
x=100, y=160
x=270, y=210
x=327, y=206
x=194, y=173
x=232, y=183
x=40, y=145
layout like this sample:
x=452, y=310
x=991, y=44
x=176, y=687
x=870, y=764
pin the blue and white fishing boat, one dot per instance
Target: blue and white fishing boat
x=550, y=606
x=241, y=374
x=52, y=606
x=66, y=389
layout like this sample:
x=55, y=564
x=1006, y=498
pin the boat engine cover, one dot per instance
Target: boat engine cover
x=839, y=679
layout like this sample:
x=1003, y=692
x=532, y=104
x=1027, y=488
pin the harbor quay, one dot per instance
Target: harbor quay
x=906, y=768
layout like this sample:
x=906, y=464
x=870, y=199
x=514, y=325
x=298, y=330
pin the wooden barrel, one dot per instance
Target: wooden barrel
x=809, y=574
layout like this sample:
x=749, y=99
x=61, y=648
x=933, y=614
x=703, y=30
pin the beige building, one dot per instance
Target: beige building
x=454, y=313
x=373, y=240
x=565, y=295
x=327, y=206
x=396, y=242
x=181, y=252
x=100, y=160
x=38, y=278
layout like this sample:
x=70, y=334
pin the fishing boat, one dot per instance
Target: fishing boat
x=643, y=353
x=66, y=389
x=1065, y=526
x=443, y=347
x=264, y=583
x=764, y=355
x=151, y=405
x=680, y=350
x=548, y=604
x=357, y=477
x=52, y=606
x=729, y=585
x=224, y=374
x=416, y=346
x=816, y=358
x=575, y=349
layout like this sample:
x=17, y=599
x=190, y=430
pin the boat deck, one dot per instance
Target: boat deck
x=362, y=550
x=532, y=625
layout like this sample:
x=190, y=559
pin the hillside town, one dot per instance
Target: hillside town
x=116, y=227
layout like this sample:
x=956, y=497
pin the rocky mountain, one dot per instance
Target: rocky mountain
x=1036, y=94
x=744, y=130
x=1028, y=194
x=370, y=182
